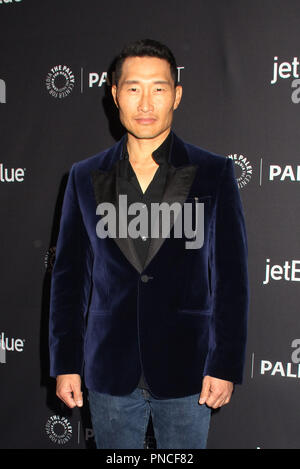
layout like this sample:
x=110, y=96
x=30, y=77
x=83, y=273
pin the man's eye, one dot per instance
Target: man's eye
x=132, y=89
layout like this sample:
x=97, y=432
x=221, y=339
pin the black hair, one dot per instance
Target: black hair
x=145, y=48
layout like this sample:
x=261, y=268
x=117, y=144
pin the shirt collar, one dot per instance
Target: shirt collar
x=160, y=155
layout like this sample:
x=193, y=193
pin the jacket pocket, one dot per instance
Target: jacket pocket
x=197, y=312
x=100, y=312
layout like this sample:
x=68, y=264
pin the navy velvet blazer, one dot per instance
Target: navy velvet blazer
x=182, y=316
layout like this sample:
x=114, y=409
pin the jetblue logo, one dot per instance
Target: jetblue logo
x=285, y=70
x=288, y=271
x=11, y=174
x=2, y=91
x=9, y=345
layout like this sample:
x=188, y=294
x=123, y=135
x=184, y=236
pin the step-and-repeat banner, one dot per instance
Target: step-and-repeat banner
x=239, y=65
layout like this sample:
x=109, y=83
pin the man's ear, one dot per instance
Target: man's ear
x=114, y=94
x=178, y=96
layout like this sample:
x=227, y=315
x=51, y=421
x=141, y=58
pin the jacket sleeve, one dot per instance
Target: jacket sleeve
x=229, y=283
x=70, y=287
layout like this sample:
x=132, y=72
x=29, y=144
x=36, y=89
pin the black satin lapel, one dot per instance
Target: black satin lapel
x=105, y=185
x=177, y=188
x=126, y=244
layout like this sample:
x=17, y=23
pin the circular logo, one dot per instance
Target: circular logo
x=60, y=81
x=50, y=258
x=245, y=169
x=58, y=429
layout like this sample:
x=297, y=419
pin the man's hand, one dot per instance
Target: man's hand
x=68, y=389
x=215, y=392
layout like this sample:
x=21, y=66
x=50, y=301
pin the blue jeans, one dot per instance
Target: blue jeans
x=120, y=422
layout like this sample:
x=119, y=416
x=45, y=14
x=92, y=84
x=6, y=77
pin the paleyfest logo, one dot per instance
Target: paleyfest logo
x=245, y=167
x=60, y=81
x=50, y=258
x=59, y=429
x=282, y=369
x=96, y=79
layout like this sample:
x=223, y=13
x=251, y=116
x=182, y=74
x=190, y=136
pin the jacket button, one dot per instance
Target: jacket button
x=145, y=278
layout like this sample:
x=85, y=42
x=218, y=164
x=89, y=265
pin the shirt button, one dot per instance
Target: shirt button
x=145, y=278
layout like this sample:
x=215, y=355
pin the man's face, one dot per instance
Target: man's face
x=146, y=96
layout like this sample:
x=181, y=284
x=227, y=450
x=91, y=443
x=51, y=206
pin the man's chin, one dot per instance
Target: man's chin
x=141, y=135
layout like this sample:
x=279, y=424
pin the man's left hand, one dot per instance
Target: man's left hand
x=215, y=392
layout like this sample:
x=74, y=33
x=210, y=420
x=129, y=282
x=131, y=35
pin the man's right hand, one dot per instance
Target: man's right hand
x=68, y=389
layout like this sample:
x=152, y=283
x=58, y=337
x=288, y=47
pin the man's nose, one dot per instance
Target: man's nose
x=145, y=104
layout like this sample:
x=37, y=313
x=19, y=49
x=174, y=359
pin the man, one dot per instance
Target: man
x=153, y=323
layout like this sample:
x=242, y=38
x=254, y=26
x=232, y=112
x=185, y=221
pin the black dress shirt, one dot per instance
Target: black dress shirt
x=129, y=185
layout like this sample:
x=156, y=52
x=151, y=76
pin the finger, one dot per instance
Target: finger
x=77, y=396
x=227, y=400
x=227, y=397
x=218, y=401
x=65, y=391
x=215, y=398
x=67, y=397
x=212, y=400
x=205, y=391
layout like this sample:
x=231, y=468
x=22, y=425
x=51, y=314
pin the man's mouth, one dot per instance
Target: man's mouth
x=145, y=120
